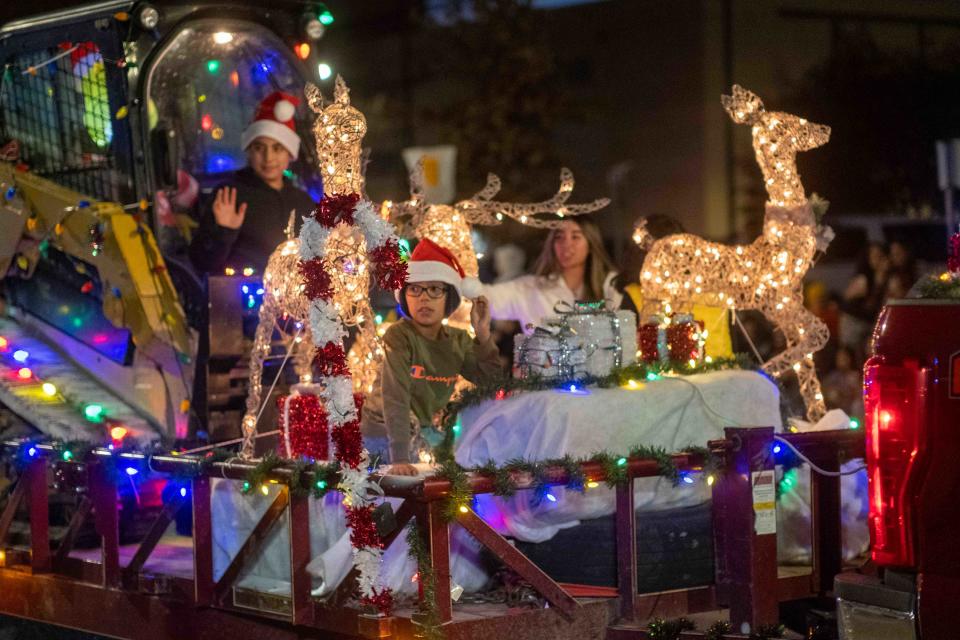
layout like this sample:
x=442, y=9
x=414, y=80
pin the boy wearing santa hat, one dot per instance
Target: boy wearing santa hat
x=246, y=219
x=424, y=357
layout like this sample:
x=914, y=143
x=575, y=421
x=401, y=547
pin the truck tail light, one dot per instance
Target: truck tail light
x=894, y=399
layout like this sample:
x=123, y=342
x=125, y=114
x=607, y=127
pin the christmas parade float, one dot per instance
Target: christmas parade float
x=611, y=424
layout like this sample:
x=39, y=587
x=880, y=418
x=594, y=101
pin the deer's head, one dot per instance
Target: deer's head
x=777, y=137
x=339, y=130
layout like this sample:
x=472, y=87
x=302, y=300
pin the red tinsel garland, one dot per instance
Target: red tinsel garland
x=953, y=259
x=382, y=600
x=335, y=209
x=317, y=279
x=330, y=360
x=348, y=443
x=389, y=268
x=363, y=530
x=647, y=336
x=307, y=427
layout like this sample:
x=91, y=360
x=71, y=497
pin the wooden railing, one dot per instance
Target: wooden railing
x=746, y=561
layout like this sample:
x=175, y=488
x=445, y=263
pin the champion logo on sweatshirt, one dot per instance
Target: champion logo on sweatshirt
x=417, y=372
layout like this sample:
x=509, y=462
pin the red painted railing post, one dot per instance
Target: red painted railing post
x=300, y=582
x=744, y=517
x=103, y=494
x=626, y=551
x=203, y=582
x=35, y=477
x=435, y=533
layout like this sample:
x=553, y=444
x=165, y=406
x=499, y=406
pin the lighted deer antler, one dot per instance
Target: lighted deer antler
x=482, y=209
x=767, y=274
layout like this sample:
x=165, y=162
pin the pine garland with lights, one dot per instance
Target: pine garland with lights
x=544, y=473
x=660, y=629
x=717, y=630
x=429, y=618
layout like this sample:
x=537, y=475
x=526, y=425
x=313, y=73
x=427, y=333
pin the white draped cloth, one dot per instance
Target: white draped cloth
x=671, y=412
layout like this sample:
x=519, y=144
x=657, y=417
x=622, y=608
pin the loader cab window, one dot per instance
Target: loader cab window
x=59, y=111
x=205, y=87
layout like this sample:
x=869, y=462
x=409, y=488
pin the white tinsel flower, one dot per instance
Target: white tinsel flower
x=338, y=400
x=354, y=484
x=367, y=562
x=313, y=239
x=376, y=230
x=325, y=322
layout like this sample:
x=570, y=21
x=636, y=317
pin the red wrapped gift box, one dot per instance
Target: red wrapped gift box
x=303, y=427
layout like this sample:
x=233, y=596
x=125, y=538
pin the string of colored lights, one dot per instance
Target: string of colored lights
x=24, y=375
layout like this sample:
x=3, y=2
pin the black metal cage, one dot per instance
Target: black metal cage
x=56, y=105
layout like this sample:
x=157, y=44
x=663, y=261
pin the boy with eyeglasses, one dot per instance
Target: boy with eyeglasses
x=424, y=358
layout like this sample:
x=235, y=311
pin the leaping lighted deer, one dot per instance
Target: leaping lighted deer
x=767, y=274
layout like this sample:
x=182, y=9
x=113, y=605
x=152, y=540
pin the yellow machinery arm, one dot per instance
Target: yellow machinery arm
x=128, y=262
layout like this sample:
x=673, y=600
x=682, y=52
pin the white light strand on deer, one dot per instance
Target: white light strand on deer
x=766, y=275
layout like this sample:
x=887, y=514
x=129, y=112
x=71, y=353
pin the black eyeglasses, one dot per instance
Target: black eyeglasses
x=434, y=292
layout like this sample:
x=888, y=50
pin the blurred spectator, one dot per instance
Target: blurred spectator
x=898, y=284
x=843, y=387
x=863, y=298
x=902, y=260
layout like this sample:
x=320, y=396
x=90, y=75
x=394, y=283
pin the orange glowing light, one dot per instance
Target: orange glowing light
x=885, y=419
x=302, y=50
x=118, y=433
x=235, y=79
x=4, y=343
x=24, y=373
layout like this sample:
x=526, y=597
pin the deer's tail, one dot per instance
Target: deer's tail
x=641, y=236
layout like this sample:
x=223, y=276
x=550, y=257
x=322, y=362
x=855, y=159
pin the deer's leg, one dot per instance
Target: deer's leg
x=260, y=351
x=807, y=335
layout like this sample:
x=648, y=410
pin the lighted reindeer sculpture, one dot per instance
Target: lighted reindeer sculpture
x=450, y=225
x=767, y=274
x=339, y=128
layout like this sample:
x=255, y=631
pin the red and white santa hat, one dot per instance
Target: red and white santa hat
x=274, y=119
x=431, y=262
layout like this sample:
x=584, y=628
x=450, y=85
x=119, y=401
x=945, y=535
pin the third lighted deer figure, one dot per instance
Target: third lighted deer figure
x=766, y=275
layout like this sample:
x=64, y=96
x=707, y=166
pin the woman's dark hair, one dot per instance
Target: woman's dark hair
x=453, y=300
x=658, y=226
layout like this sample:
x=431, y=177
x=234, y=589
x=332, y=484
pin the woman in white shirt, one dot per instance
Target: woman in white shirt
x=573, y=265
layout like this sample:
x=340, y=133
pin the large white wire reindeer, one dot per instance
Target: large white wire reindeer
x=339, y=129
x=766, y=275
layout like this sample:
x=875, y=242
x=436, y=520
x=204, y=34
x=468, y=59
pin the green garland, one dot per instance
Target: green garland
x=940, y=288
x=429, y=618
x=660, y=629
x=504, y=387
x=326, y=476
x=542, y=472
x=717, y=630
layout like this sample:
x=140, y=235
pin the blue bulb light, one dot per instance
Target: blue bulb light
x=20, y=355
x=32, y=451
x=183, y=492
x=551, y=497
x=132, y=471
x=573, y=388
x=245, y=289
x=687, y=479
x=777, y=448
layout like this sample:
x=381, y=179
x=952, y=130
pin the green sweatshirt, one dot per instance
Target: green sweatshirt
x=418, y=377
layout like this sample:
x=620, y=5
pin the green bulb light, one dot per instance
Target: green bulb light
x=246, y=486
x=321, y=484
x=93, y=411
x=621, y=462
x=213, y=66
x=325, y=18
x=854, y=423
x=67, y=455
